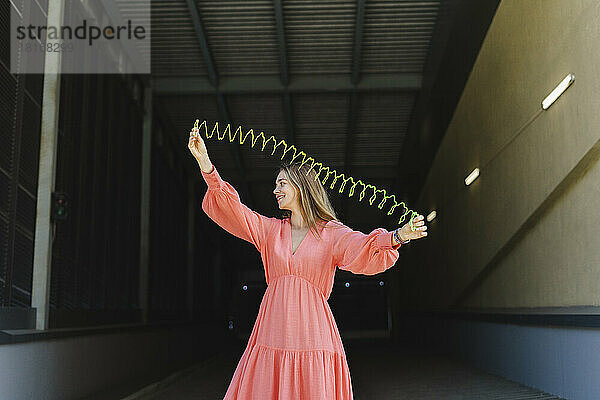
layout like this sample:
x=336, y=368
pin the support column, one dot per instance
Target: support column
x=145, y=204
x=191, y=246
x=217, y=265
x=42, y=251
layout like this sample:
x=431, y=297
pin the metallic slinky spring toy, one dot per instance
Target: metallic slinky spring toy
x=227, y=132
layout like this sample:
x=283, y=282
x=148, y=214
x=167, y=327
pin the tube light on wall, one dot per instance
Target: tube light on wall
x=431, y=216
x=472, y=176
x=560, y=89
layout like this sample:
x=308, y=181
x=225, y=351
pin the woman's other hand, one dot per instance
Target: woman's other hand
x=406, y=233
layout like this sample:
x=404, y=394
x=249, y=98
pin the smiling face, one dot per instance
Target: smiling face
x=285, y=193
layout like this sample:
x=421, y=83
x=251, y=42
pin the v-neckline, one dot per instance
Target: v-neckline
x=292, y=252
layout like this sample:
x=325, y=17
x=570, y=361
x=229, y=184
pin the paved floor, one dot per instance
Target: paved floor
x=379, y=371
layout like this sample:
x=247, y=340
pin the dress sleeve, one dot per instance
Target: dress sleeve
x=222, y=204
x=365, y=254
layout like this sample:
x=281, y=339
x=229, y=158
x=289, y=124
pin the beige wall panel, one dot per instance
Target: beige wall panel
x=530, y=47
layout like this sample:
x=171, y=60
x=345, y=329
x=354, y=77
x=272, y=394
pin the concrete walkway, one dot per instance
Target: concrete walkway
x=379, y=371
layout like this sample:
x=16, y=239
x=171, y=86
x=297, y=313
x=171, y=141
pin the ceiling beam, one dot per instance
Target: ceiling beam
x=235, y=152
x=181, y=85
x=353, y=106
x=358, y=36
x=288, y=110
x=281, y=41
x=213, y=81
x=289, y=116
x=351, y=128
x=206, y=54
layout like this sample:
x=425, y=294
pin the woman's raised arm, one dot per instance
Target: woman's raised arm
x=222, y=202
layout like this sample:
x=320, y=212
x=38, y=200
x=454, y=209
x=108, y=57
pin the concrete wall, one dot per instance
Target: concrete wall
x=526, y=231
x=525, y=234
x=558, y=360
x=80, y=366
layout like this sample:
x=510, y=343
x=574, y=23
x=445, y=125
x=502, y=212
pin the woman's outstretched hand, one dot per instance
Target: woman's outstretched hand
x=196, y=145
x=406, y=233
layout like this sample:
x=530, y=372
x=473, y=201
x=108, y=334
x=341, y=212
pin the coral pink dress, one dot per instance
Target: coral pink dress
x=295, y=350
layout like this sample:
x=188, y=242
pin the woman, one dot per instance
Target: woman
x=295, y=350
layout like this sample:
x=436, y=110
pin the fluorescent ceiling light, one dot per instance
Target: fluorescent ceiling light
x=547, y=102
x=431, y=216
x=472, y=176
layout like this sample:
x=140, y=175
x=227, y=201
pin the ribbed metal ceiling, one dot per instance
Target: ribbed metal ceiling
x=251, y=42
x=397, y=35
x=175, y=49
x=382, y=120
x=242, y=36
x=321, y=125
x=320, y=35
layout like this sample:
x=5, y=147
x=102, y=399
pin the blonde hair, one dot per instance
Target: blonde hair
x=315, y=206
